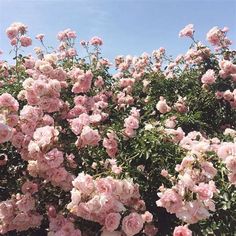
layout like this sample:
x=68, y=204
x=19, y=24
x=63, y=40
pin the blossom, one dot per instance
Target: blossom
x=40, y=36
x=112, y=221
x=83, y=83
x=132, y=224
x=25, y=41
x=88, y=136
x=9, y=102
x=171, y=200
x=187, y=31
x=182, y=231
x=208, y=77
x=96, y=41
x=5, y=133
x=162, y=106
x=84, y=183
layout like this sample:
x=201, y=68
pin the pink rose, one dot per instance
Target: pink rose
x=112, y=221
x=131, y=123
x=162, y=106
x=88, y=137
x=77, y=124
x=84, y=183
x=182, y=231
x=208, y=77
x=83, y=83
x=9, y=102
x=25, y=203
x=5, y=133
x=25, y=41
x=204, y=191
x=187, y=31
x=40, y=36
x=29, y=187
x=170, y=200
x=132, y=224
x=147, y=217
x=231, y=163
x=54, y=158
x=11, y=32
x=96, y=41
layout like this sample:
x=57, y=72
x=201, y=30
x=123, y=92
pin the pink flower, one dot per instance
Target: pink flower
x=29, y=187
x=96, y=41
x=131, y=123
x=114, y=233
x=162, y=106
x=232, y=178
x=88, y=137
x=84, y=183
x=231, y=163
x=71, y=52
x=204, y=191
x=99, y=82
x=170, y=200
x=54, y=158
x=83, y=83
x=11, y=32
x=110, y=144
x=208, y=77
x=164, y=173
x=132, y=224
x=58, y=175
x=43, y=136
x=25, y=203
x=112, y=221
x=105, y=185
x=75, y=196
x=5, y=133
x=116, y=169
x=25, y=41
x=187, y=31
x=192, y=212
x=227, y=67
x=7, y=210
x=150, y=230
x=40, y=36
x=77, y=124
x=182, y=231
x=147, y=217
x=9, y=102
x=226, y=149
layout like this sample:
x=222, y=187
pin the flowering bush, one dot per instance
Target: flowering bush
x=148, y=150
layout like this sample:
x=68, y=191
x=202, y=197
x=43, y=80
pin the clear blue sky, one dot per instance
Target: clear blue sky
x=126, y=26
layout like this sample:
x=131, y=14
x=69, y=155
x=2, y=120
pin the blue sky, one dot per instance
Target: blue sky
x=126, y=26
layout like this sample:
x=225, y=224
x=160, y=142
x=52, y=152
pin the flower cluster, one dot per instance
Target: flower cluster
x=19, y=213
x=155, y=124
x=104, y=200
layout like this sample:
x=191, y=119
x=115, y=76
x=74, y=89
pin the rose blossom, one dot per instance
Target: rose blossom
x=182, y=231
x=162, y=106
x=208, y=77
x=84, y=183
x=25, y=41
x=96, y=41
x=29, y=187
x=88, y=137
x=187, y=31
x=5, y=133
x=112, y=221
x=40, y=36
x=132, y=224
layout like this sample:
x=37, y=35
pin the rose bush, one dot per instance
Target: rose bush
x=147, y=150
